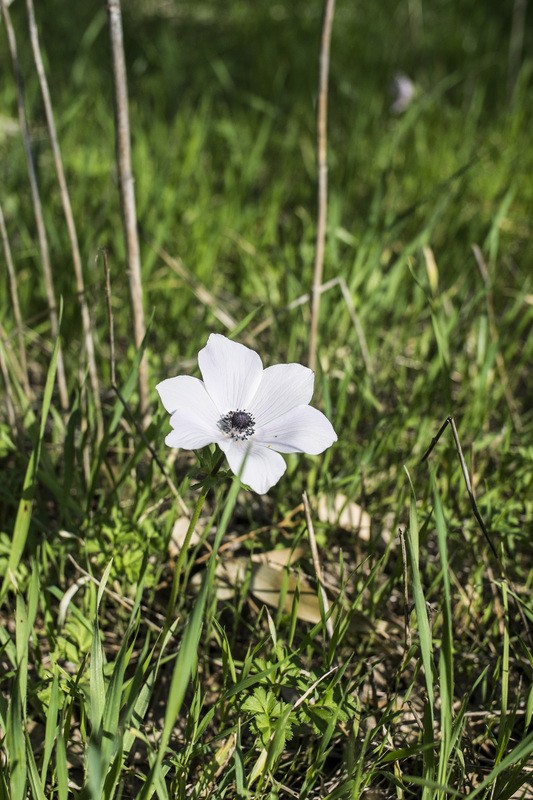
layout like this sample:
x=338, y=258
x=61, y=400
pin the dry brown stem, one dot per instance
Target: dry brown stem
x=10, y=408
x=37, y=205
x=127, y=191
x=110, y=321
x=16, y=305
x=316, y=563
x=67, y=210
x=322, y=145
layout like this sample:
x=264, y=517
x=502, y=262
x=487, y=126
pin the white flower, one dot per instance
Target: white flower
x=253, y=414
x=403, y=92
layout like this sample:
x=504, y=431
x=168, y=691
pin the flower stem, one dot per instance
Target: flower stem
x=188, y=651
x=180, y=561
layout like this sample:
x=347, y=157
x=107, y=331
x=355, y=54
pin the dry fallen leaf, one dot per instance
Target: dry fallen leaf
x=279, y=558
x=269, y=584
x=269, y=581
x=345, y=513
x=179, y=532
x=229, y=574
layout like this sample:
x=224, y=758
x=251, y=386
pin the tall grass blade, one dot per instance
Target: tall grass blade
x=426, y=643
x=15, y=742
x=446, y=673
x=23, y=518
x=51, y=730
x=33, y=773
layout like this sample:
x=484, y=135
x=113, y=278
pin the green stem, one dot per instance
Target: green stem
x=180, y=561
x=188, y=652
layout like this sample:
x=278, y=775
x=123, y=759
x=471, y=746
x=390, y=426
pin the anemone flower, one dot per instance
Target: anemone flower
x=252, y=414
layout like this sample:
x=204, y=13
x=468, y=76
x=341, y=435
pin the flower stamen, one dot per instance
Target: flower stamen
x=240, y=424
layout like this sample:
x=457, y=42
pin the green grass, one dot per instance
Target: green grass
x=122, y=673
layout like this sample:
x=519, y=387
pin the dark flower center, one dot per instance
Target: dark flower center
x=238, y=424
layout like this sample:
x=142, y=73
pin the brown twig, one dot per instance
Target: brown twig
x=316, y=564
x=37, y=205
x=10, y=409
x=69, y=216
x=322, y=119
x=110, y=322
x=127, y=192
x=16, y=305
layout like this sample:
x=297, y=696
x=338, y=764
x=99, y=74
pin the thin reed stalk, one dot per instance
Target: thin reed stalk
x=316, y=563
x=10, y=408
x=13, y=289
x=69, y=216
x=322, y=153
x=127, y=191
x=37, y=205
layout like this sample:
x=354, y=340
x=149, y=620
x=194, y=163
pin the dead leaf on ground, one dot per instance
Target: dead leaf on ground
x=345, y=513
x=270, y=580
x=281, y=558
x=179, y=532
x=270, y=584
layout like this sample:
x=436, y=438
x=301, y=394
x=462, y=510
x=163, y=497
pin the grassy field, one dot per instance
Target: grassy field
x=131, y=667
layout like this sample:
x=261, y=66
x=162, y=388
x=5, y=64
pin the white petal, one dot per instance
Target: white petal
x=231, y=373
x=302, y=430
x=262, y=466
x=282, y=387
x=194, y=416
x=185, y=391
x=189, y=432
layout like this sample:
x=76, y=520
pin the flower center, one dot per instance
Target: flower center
x=238, y=424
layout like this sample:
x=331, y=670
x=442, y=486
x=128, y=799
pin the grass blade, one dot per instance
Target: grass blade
x=24, y=513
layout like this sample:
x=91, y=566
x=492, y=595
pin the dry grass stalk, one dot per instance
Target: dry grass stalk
x=10, y=408
x=37, y=205
x=110, y=322
x=198, y=288
x=316, y=562
x=127, y=191
x=322, y=141
x=304, y=298
x=16, y=305
x=67, y=210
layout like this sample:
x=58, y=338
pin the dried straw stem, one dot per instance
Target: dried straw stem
x=10, y=408
x=37, y=205
x=127, y=191
x=322, y=141
x=316, y=564
x=67, y=210
x=15, y=302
